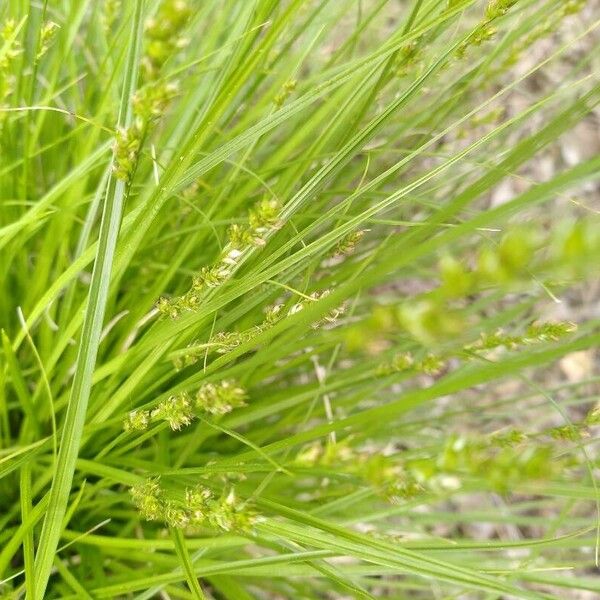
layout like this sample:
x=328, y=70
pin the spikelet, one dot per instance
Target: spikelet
x=175, y=410
x=221, y=398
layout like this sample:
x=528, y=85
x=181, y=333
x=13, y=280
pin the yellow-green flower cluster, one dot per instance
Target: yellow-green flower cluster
x=571, y=432
x=198, y=508
x=545, y=28
x=163, y=33
x=175, y=410
x=512, y=437
x=125, y=149
x=147, y=498
x=112, y=9
x=175, y=516
x=179, y=410
x=430, y=364
x=331, y=317
x=535, y=334
x=288, y=88
x=409, y=57
x=400, y=362
x=221, y=398
x=434, y=364
x=263, y=219
x=402, y=486
x=498, y=8
x=221, y=343
x=137, y=420
x=568, y=433
x=11, y=48
x=593, y=417
x=391, y=479
x=485, y=31
x=46, y=36
x=548, y=332
x=327, y=455
x=150, y=101
x=347, y=245
x=226, y=341
x=229, y=514
x=198, y=502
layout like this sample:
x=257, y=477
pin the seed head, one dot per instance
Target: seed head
x=147, y=497
x=221, y=398
x=176, y=410
x=137, y=420
x=176, y=516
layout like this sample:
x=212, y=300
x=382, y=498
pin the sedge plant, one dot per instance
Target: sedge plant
x=287, y=304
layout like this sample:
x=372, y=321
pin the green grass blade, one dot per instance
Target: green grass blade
x=90, y=339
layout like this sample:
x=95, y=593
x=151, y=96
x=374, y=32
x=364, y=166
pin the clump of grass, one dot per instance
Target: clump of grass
x=265, y=332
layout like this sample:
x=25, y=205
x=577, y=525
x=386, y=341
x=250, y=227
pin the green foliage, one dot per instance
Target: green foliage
x=267, y=329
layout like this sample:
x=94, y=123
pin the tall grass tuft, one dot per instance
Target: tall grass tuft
x=292, y=305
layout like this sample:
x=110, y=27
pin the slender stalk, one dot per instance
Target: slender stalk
x=186, y=563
